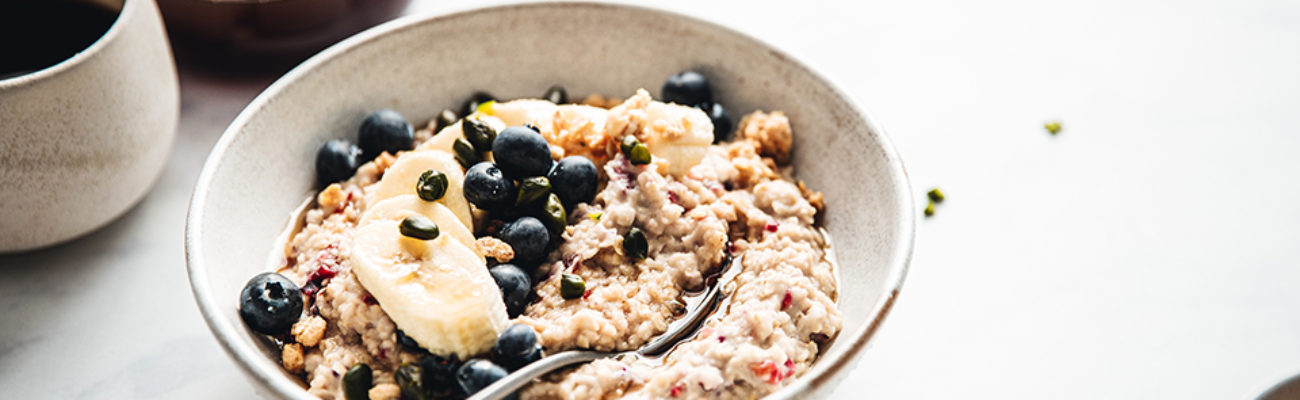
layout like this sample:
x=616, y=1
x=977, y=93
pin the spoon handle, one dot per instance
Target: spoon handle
x=516, y=380
x=681, y=329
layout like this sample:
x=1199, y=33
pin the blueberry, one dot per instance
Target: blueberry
x=270, y=303
x=514, y=284
x=478, y=374
x=438, y=375
x=408, y=343
x=471, y=104
x=528, y=236
x=533, y=356
x=721, y=121
x=516, y=347
x=687, y=88
x=384, y=130
x=521, y=152
x=556, y=94
x=488, y=188
x=337, y=160
x=574, y=180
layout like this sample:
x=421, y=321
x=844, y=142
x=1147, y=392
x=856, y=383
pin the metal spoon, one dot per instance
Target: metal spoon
x=677, y=331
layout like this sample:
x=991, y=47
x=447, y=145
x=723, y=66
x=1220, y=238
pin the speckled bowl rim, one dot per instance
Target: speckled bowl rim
x=77, y=59
x=826, y=369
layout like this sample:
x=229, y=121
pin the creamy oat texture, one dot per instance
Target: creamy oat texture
x=356, y=329
x=730, y=201
x=779, y=308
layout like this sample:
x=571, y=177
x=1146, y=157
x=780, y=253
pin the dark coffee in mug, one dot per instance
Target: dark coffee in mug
x=37, y=34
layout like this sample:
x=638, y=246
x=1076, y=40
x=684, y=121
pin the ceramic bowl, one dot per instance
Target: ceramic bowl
x=83, y=140
x=262, y=167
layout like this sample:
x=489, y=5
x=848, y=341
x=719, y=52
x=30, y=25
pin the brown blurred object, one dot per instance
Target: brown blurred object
x=1285, y=390
x=265, y=36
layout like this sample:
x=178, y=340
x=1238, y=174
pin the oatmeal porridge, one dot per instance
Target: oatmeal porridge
x=435, y=261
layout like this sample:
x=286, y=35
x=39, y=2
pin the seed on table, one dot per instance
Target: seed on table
x=935, y=195
x=1053, y=127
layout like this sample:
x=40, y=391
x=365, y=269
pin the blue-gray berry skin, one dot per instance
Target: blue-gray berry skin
x=475, y=375
x=528, y=236
x=337, y=160
x=270, y=303
x=688, y=88
x=515, y=287
x=408, y=343
x=521, y=152
x=574, y=180
x=438, y=374
x=487, y=187
x=384, y=130
x=515, y=347
x=722, y=126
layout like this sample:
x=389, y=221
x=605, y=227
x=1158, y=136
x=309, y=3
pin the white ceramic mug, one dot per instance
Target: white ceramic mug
x=83, y=140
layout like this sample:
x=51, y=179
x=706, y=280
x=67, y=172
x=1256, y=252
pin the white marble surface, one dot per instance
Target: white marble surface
x=1148, y=251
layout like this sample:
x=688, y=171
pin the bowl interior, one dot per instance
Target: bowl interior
x=263, y=166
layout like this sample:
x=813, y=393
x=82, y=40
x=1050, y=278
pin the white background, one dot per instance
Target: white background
x=1148, y=251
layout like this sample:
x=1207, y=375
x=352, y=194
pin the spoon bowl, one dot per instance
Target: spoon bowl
x=677, y=331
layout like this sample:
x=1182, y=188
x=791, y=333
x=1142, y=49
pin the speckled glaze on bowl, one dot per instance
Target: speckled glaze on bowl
x=82, y=141
x=262, y=167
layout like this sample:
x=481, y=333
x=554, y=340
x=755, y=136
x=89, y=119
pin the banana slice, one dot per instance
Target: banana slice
x=397, y=208
x=525, y=111
x=684, y=141
x=400, y=178
x=444, y=139
x=682, y=144
x=437, y=291
x=576, y=115
x=541, y=113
